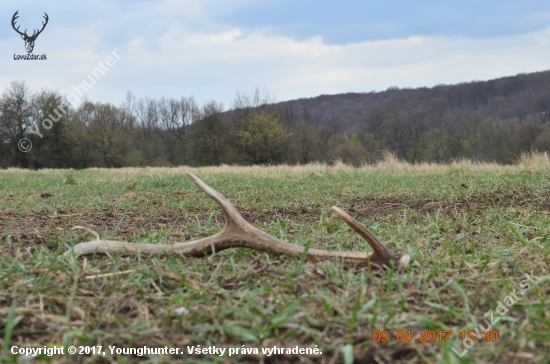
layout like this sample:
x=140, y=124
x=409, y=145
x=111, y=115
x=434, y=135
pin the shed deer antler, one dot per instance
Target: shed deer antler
x=239, y=233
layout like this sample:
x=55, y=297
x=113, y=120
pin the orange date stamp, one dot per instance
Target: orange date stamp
x=432, y=336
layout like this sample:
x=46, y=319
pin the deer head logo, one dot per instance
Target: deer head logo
x=29, y=40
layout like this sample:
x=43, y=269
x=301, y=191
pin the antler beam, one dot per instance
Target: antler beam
x=239, y=233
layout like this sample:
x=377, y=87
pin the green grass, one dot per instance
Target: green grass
x=472, y=232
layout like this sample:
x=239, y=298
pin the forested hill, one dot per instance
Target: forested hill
x=493, y=120
x=502, y=98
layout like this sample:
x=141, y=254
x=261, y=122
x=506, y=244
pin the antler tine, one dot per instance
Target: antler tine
x=232, y=216
x=382, y=254
x=239, y=233
x=44, y=23
x=13, y=19
x=43, y=26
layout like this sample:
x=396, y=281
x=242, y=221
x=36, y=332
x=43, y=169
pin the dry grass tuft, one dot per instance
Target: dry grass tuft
x=534, y=159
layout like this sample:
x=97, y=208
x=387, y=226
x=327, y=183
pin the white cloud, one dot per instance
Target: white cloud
x=215, y=65
x=165, y=58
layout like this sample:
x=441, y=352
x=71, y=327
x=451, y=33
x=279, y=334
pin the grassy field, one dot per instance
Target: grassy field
x=473, y=232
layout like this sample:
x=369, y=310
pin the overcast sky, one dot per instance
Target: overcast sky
x=212, y=48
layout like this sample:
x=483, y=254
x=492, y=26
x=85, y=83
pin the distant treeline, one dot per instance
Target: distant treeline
x=486, y=121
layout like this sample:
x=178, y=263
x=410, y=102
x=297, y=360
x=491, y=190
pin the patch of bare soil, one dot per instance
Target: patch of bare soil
x=37, y=227
x=473, y=205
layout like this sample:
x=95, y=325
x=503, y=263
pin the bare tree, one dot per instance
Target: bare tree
x=147, y=113
x=245, y=103
x=306, y=137
x=105, y=135
x=16, y=120
x=209, y=135
x=128, y=105
x=55, y=148
x=175, y=118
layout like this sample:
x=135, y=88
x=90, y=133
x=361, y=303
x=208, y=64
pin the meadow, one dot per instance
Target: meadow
x=473, y=231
